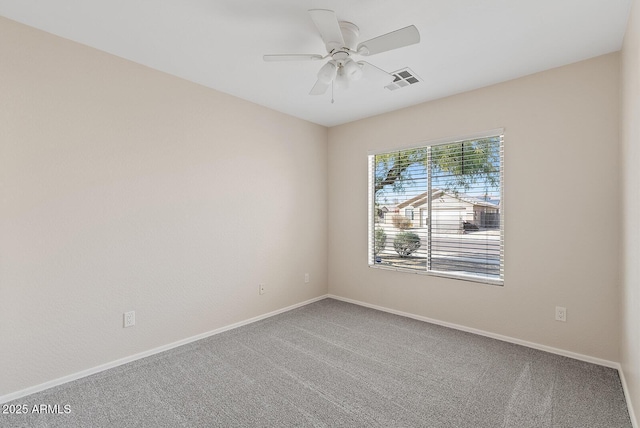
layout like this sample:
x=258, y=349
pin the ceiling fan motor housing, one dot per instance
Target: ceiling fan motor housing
x=339, y=51
x=347, y=68
x=350, y=33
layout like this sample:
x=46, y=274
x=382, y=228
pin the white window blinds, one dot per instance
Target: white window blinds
x=438, y=209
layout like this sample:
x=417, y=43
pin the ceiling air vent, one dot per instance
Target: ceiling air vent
x=402, y=78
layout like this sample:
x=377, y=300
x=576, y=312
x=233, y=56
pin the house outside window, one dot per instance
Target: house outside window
x=457, y=187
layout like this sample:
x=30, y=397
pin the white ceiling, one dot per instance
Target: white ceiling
x=465, y=44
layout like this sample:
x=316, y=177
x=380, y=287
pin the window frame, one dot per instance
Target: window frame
x=498, y=132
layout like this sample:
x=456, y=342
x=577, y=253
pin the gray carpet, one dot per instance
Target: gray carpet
x=333, y=364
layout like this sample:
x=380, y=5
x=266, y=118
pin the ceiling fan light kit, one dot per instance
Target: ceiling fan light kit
x=342, y=80
x=340, y=39
x=352, y=70
x=328, y=72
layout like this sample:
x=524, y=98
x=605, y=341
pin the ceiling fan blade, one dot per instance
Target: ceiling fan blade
x=292, y=57
x=396, y=39
x=319, y=88
x=372, y=72
x=327, y=24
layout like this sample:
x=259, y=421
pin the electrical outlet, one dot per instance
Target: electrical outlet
x=306, y=278
x=261, y=288
x=561, y=314
x=129, y=319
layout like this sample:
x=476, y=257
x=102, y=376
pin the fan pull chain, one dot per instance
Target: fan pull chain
x=332, y=91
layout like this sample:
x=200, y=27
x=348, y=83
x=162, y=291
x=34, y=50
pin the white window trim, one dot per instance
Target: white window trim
x=371, y=211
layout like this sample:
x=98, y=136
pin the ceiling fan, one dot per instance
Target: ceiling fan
x=340, y=39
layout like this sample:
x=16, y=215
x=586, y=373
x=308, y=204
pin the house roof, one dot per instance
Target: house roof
x=415, y=201
x=422, y=199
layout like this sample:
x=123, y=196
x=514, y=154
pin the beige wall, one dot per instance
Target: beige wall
x=630, y=137
x=561, y=155
x=123, y=188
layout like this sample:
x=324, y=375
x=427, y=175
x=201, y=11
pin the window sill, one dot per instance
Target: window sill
x=461, y=277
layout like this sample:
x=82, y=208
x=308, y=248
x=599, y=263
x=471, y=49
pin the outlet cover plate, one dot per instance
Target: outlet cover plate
x=129, y=319
x=561, y=313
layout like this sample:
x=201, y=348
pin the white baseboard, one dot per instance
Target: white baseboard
x=627, y=397
x=84, y=373
x=574, y=355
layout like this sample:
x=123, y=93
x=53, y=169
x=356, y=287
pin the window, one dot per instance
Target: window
x=408, y=213
x=456, y=186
